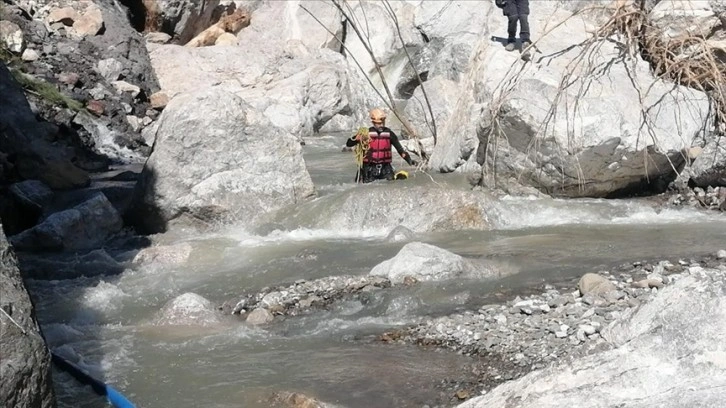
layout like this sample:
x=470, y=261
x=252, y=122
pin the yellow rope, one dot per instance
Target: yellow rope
x=361, y=149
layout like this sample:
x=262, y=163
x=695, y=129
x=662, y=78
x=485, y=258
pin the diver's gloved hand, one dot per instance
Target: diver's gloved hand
x=409, y=160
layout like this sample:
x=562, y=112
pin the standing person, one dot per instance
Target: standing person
x=376, y=150
x=517, y=11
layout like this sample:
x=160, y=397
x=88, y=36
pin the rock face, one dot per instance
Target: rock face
x=25, y=363
x=588, y=139
x=301, y=91
x=424, y=262
x=216, y=159
x=678, y=333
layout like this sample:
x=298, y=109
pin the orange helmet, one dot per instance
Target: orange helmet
x=378, y=116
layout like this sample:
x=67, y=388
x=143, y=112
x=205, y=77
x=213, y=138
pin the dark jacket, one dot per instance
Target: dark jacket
x=516, y=8
x=394, y=142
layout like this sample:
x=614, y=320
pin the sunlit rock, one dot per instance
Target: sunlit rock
x=188, y=309
x=678, y=334
x=377, y=207
x=424, y=262
x=217, y=159
x=587, y=139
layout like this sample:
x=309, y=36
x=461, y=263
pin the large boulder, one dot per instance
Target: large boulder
x=217, y=159
x=425, y=262
x=25, y=363
x=299, y=92
x=611, y=128
x=85, y=226
x=669, y=353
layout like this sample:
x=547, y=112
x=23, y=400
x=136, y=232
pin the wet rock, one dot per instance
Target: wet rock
x=32, y=193
x=164, y=254
x=259, y=316
x=188, y=309
x=48, y=267
x=30, y=55
x=87, y=225
x=721, y=254
x=400, y=233
x=110, y=69
x=426, y=262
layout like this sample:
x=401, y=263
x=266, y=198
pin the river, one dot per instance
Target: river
x=333, y=355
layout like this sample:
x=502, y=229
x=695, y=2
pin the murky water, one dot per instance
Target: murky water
x=332, y=355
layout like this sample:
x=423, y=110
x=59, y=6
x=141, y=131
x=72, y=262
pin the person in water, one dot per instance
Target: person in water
x=377, y=155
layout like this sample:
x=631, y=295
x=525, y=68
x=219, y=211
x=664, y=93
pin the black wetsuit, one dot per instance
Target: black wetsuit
x=375, y=169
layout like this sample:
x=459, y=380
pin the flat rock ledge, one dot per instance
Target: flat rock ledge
x=302, y=296
x=559, y=324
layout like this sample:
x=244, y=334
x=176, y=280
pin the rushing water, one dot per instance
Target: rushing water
x=332, y=355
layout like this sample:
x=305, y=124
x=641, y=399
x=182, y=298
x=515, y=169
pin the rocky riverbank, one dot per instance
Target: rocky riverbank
x=560, y=324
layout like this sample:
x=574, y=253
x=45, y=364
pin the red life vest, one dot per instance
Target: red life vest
x=379, y=151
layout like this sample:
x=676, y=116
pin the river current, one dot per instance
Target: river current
x=333, y=355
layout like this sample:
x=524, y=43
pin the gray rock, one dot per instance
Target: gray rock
x=11, y=37
x=32, y=193
x=188, y=309
x=425, y=262
x=87, y=225
x=260, y=316
x=25, y=364
x=197, y=171
x=110, y=69
x=400, y=233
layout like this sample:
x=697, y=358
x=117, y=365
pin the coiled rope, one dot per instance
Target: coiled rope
x=361, y=149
